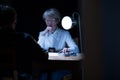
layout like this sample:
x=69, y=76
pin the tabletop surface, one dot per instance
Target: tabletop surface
x=57, y=56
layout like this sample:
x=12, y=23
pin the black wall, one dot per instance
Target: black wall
x=30, y=13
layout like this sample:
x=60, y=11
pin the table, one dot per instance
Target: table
x=73, y=63
x=57, y=56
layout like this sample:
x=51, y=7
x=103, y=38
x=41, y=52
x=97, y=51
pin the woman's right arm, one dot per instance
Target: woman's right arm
x=41, y=39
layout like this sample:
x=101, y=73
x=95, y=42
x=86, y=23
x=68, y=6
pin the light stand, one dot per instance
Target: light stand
x=68, y=23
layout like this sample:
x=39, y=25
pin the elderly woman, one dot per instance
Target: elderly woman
x=56, y=38
x=53, y=36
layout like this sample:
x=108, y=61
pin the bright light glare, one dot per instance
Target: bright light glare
x=66, y=22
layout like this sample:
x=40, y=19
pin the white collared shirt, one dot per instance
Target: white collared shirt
x=59, y=39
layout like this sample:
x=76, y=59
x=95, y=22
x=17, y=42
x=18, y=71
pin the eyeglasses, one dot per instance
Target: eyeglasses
x=50, y=20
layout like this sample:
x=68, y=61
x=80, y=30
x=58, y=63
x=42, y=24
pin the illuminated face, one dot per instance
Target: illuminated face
x=51, y=22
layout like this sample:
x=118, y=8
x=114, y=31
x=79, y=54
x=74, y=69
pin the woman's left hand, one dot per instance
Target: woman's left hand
x=64, y=50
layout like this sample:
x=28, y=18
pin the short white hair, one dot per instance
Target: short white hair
x=52, y=12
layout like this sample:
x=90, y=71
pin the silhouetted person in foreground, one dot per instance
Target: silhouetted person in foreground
x=26, y=49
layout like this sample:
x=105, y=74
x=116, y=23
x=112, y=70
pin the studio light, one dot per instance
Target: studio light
x=69, y=22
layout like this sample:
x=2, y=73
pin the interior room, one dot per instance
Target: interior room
x=100, y=22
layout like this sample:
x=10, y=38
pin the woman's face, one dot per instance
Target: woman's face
x=51, y=22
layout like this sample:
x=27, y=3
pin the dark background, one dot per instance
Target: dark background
x=111, y=14
x=30, y=13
